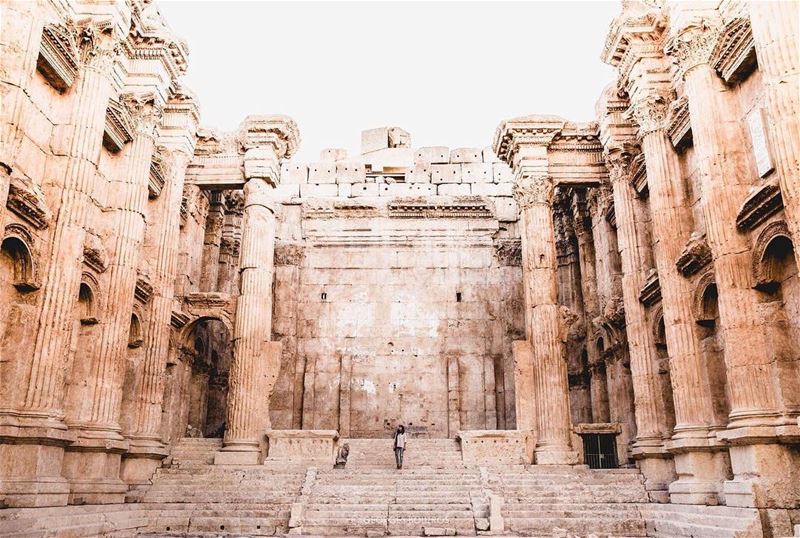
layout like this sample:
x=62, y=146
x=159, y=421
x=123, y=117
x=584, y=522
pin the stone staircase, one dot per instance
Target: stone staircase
x=695, y=521
x=427, y=453
x=191, y=451
x=554, y=500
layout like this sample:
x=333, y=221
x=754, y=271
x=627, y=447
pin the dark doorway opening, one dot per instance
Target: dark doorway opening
x=600, y=450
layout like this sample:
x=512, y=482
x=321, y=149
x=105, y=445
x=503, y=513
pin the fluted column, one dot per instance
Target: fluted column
x=128, y=196
x=776, y=27
x=534, y=194
x=46, y=381
x=726, y=169
x=177, y=138
x=633, y=246
x=211, y=243
x=256, y=359
x=700, y=465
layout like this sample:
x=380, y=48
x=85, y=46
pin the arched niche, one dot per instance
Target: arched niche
x=773, y=258
x=135, y=333
x=87, y=300
x=706, y=308
x=18, y=256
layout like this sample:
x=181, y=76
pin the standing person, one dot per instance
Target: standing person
x=399, y=445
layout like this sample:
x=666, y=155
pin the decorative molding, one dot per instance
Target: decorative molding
x=639, y=174
x=144, y=289
x=736, y=51
x=143, y=112
x=278, y=131
x=650, y=293
x=694, y=256
x=98, y=45
x=94, y=253
x=760, y=204
x=158, y=173
x=59, y=59
x=694, y=44
x=119, y=129
x=27, y=201
x=418, y=208
x=178, y=319
x=207, y=300
x=679, y=128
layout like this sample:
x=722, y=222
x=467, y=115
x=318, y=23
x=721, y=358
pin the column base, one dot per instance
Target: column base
x=92, y=466
x=31, y=455
x=556, y=456
x=658, y=468
x=764, y=476
x=702, y=465
x=239, y=453
x=140, y=462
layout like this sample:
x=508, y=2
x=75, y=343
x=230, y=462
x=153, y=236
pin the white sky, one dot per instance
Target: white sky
x=447, y=72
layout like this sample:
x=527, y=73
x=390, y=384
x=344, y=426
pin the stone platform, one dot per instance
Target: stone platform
x=435, y=494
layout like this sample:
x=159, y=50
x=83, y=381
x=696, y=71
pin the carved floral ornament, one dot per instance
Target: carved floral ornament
x=650, y=109
x=98, y=44
x=694, y=44
x=619, y=159
x=143, y=112
x=531, y=190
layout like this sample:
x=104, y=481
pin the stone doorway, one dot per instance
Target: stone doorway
x=209, y=345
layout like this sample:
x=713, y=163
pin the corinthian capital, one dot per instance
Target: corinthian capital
x=143, y=111
x=279, y=132
x=649, y=108
x=618, y=161
x=693, y=43
x=533, y=189
x=99, y=44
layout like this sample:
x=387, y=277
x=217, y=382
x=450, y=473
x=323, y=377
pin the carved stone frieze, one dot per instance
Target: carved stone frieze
x=26, y=200
x=762, y=203
x=695, y=255
x=508, y=252
x=735, y=54
x=151, y=37
x=650, y=293
x=59, y=59
x=466, y=207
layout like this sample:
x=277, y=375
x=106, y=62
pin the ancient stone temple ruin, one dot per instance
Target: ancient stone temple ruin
x=587, y=328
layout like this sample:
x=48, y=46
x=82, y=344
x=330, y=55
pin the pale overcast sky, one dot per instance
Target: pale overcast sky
x=447, y=72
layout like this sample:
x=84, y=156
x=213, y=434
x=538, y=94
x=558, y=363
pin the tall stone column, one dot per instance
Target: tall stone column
x=761, y=463
x=700, y=462
x=534, y=194
x=776, y=27
x=177, y=135
x=256, y=359
x=37, y=428
x=92, y=463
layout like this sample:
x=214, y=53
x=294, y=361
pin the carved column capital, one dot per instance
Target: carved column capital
x=278, y=132
x=531, y=190
x=618, y=161
x=693, y=43
x=144, y=113
x=99, y=44
x=650, y=108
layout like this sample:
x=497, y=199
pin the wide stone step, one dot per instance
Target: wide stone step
x=581, y=526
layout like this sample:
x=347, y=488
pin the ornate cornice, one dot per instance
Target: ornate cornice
x=59, y=58
x=637, y=32
x=278, y=131
x=735, y=54
x=159, y=171
x=94, y=253
x=463, y=207
x=693, y=43
x=679, y=128
x=27, y=201
x=118, y=129
x=151, y=37
x=760, y=204
x=144, y=289
x=639, y=173
x=536, y=130
x=650, y=293
x=533, y=190
x=695, y=255
x=179, y=319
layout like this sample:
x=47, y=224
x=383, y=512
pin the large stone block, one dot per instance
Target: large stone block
x=315, y=190
x=489, y=156
x=322, y=172
x=295, y=173
x=333, y=155
x=287, y=191
x=476, y=173
x=313, y=447
x=501, y=173
x=350, y=172
x=506, y=209
x=493, y=189
x=432, y=155
x=345, y=190
x=445, y=173
x=420, y=174
x=466, y=155
x=453, y=189
x=364, y=189
x=496, y=447
x=390, y=159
